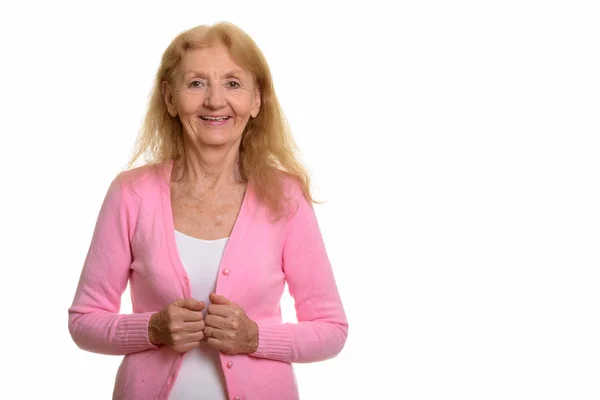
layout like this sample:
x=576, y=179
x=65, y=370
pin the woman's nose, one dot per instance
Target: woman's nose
x=215, y=97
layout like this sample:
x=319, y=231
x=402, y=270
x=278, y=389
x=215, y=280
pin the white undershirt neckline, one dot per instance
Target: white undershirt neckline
x=201, y=376
x=177, y=233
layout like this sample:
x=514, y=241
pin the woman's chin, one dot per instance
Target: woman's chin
x=216, y=140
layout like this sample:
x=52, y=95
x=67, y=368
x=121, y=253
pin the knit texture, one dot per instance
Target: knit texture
x=134, y=242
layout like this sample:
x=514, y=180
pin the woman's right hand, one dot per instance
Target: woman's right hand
x=180, y=325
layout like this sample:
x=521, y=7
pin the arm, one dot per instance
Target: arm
x=94, y=320
x=322, y=327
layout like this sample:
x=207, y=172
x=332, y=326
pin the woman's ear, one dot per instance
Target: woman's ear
x=256, y=105
x=169, y=100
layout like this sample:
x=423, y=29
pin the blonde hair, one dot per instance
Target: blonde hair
x=267, y=151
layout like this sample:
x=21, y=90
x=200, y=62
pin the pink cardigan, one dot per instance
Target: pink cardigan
x=134, y=242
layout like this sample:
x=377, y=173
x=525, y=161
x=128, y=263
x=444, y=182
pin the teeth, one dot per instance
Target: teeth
x=214, y=118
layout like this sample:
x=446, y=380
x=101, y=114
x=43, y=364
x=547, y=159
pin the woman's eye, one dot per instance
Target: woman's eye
x=195, y=84
x=233, y=84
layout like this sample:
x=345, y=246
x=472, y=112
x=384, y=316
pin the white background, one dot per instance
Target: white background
x=456, y=144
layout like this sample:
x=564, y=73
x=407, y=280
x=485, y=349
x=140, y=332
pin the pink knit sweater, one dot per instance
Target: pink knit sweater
x=134, y=242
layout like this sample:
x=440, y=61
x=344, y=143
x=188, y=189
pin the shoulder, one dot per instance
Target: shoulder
x=291, y=186
x=293, y=194
x=142, y=179
x=280, y=194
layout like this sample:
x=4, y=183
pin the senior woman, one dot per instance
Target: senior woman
x=207, y=233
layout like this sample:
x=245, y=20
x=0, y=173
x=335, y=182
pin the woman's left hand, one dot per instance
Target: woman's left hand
x=228, y=328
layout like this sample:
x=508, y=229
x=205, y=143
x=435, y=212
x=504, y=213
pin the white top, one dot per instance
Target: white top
x=201, y=376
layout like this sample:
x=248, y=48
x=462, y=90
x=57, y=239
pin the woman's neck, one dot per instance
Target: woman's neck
x=209, y=168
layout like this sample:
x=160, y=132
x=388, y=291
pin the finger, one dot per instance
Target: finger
x=217, y=334
x=218, y=309
x=207, y=331
x=184, y=303
x=192, y=316
x=192, y=304
x=193, y=337
x=197, y=326
x=219, y=345
x=179, y=339
x=186, y=347
x=218, y=299
x=215, y=321
x=214, y=343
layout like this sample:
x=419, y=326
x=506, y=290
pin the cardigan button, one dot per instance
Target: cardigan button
x=237, y=398
x=229, y=364
x=225, y=272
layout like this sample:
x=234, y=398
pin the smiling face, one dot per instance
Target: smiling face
x=213, y=97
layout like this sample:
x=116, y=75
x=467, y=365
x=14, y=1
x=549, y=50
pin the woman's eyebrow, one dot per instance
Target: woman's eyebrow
x=235, y=73
x=190, y=73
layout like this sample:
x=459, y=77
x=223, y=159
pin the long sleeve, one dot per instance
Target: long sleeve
x=322, y=327
x=94, y=320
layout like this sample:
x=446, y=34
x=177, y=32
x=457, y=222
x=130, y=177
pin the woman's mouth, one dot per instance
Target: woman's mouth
x=216, y=120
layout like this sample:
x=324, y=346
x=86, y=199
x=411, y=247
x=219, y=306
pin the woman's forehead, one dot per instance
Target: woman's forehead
x=213, y=57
